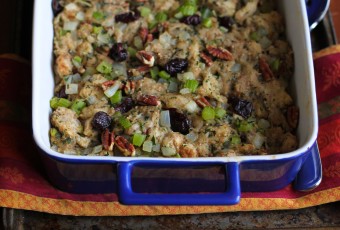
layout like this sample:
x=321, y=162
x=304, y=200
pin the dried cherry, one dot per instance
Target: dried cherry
x=101, y=121
x=118, y=53
x=176, y=65
x=126, y=105
x=192, y=20
x=226, y=22
x=128, y=17
x=242, y=107
x=179, y=122
x=56, y=7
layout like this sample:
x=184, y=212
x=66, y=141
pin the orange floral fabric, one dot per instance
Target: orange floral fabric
x=23, y=184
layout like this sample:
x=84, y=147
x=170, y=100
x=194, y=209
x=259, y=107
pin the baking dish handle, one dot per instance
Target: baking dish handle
x=229, y=197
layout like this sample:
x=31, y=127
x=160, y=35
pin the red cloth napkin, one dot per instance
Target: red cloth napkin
x=23, y=184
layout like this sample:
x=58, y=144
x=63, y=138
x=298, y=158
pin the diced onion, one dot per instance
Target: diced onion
x=258, y=140
x=91, y=100
x=265, y=42
x=76, y=78
x=113, y=89
x=71, y=7
x=185, y=91
x=192, y=136
x=165, y=119
x=103, y=38
x=71, y=88
x=168, y=152
x=70, y=25
x=80, y=16
x=173, y=87
x=191, y=107
x=97, y=149
x=118, y=69
x=263, y=124
x=183, y=35
x=236, y=68
x=186, y=76
x=147, y=146
x=156, y=148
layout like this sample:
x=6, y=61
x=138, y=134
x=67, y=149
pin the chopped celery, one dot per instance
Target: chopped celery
x=245, y=126
x=154, y=72
x=98, y=15
x=56, y=102
x=207, y=22
x=235, y=140
x=116, y=98
x=161, y=17
x=97, y=29
x=220, y=113
x=78, y=105
x=163, y=74
x=104, y=67
x=275, y=65
x=191, y=84
x=138, y=139
x=208, y=113
x=144, y=11
x=124, y=122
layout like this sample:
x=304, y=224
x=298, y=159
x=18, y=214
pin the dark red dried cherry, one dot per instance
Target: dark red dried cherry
x=176, y=65
x=226, y=22
x=101, y=121
x=128, y=17
x=126, y=105
x=179, y=122
x=118, y=53
x=62, y=92
x=243, y=108
x=56, y=7
x=192, y=20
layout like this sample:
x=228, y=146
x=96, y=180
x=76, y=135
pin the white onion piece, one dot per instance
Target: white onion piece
x=164, y=119
x=265, y=42
x=258, y=140
x=113, y=89
x=191, y=107
x=263, y=124
x=70, y=25
x=76, y=78
x=80, y=16
x=173, y=87
x=185, y=91
x=71, y=7
x=118, y=69
x=168, y=152
x=71, y=88
x=87, y=151
x=192, y=137
x=186, y=76
x=103, y=38
x=97, y=149
x=108, y=22
x=147, y=146
x=156, y=148
x=91, y=100
x=236, y=68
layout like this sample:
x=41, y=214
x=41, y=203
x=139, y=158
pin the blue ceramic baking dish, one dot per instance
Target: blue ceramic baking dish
x=166, y=181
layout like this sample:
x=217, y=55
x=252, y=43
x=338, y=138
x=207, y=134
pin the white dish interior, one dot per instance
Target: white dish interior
x=302, y=86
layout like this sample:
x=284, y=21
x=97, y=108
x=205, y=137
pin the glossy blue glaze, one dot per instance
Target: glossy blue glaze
x=310, y=174
x=316, y=10
x=151, y=182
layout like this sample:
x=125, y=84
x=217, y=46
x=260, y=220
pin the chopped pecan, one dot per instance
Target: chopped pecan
x=202, y=102
x=109, y=83
x=220, y=53
x=129, y=87
x=293, y=116
x=148, y=100
x=206, y=59
x=146, y=58
x=143, y=33
x=108, y=139
x=265, y=69
x=125, y=147
x=141, y=70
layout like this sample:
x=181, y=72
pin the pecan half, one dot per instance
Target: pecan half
x=293, y=116
x=129, y=87
x=265, y=69
x=202, y=102
x=220, y=53
x=140, y=70
x=109, y=83
x=125, y=147
x=143, y=33
x=148, y=100
x=108, y=139
x=146, y=58
x=208, y=61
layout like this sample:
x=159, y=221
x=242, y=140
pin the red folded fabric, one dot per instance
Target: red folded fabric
x=23, y=184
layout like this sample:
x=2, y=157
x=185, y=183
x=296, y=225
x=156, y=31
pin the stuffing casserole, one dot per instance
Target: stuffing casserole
x=171, y=78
